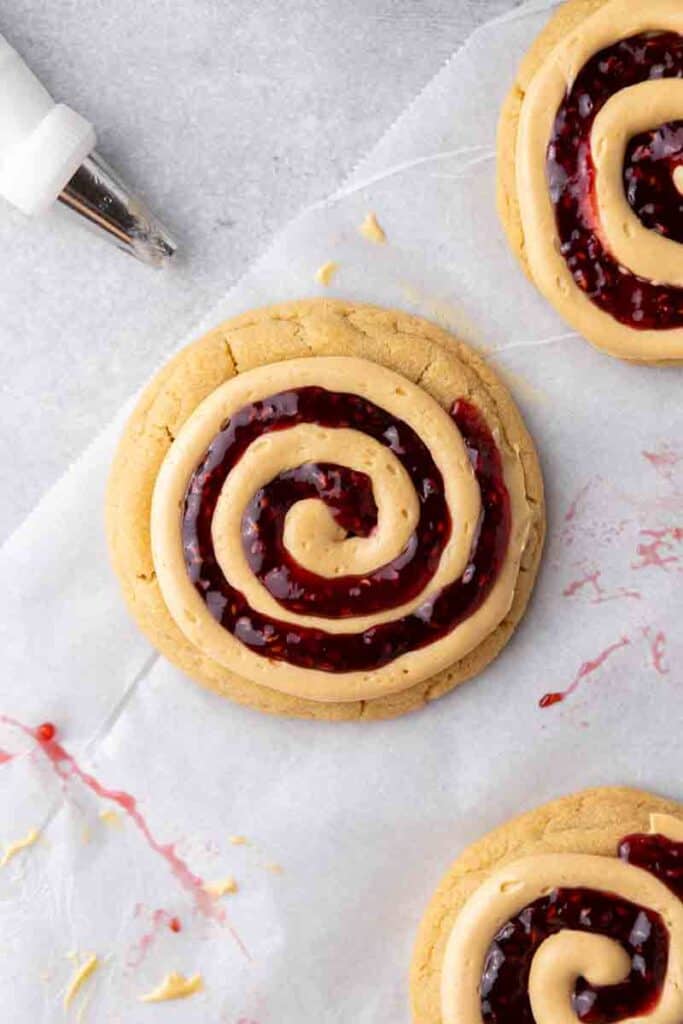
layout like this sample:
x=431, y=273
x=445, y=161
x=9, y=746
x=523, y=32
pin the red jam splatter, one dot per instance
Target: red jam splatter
x=657, y=551
x=657, y=640
x=591, y=583
x=5, y=757
x=649, y=165
x=157, y=920
x=586, y=669
x=66, y=767
x=394, y=584
x=664, y=460
x=641, y=932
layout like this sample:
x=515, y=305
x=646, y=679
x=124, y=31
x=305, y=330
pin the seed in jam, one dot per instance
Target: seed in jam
x=349, y=498
x=649, y=166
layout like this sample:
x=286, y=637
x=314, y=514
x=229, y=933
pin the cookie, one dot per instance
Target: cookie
x=327, y=510
x=573, y=907
x=590, y=175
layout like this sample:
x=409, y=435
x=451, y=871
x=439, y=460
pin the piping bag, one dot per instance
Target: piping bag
x=47, y=154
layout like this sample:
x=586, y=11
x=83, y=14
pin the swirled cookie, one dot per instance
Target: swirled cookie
x=590, y=173
x=327, y=510
x=573, y=912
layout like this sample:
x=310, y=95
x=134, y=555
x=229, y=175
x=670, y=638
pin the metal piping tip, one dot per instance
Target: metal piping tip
x=98, y=194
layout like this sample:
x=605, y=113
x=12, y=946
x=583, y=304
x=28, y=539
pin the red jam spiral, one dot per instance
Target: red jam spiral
x=641, y=932
x=650, y=162
x=348, y=495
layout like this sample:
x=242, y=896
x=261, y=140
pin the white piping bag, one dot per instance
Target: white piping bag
x=47, y=154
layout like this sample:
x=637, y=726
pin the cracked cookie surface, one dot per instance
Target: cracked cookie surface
x=417, y=350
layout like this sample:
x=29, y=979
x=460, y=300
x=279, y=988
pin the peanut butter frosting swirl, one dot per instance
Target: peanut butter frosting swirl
x=324, y=527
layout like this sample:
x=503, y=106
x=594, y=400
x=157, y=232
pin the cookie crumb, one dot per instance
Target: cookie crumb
x=373, y=230
x=110, y=817
x=239, y=840
x=324, y=274
x=79, y=979
x=221, y=887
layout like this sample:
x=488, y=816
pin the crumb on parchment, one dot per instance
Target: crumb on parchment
x=221, y=887
x=373, y=230
x=174, y=986
x=110, y=817
x=326, y=272
x=12, y=849
x=81, y=975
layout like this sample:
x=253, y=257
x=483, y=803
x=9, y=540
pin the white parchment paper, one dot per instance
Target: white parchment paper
x=349, y=825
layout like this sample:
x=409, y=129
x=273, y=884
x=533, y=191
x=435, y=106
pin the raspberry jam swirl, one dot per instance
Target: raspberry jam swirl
x=649, y=180
x=348, y=495
x=640, y=932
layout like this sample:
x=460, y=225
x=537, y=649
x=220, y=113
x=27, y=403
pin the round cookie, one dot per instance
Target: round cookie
x=609, y=306
x=574, y=837
x=230, y=364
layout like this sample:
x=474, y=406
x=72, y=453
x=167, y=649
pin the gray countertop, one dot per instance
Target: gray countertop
x=228, y=117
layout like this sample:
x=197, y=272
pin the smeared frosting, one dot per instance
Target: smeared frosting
x=81, y=975
x=174, y=986
x=12, y=849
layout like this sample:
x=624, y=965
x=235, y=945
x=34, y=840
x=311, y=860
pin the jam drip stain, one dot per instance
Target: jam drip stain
x=649, y=165
x=587, y=669
x=656, y=548
x=381, y=644
x=67, y=768
x=158, y=920
x=664, y=460
x=657, y=640
x=641, y=932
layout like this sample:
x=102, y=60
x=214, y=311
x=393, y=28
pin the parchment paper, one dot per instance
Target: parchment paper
x=362, y=819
